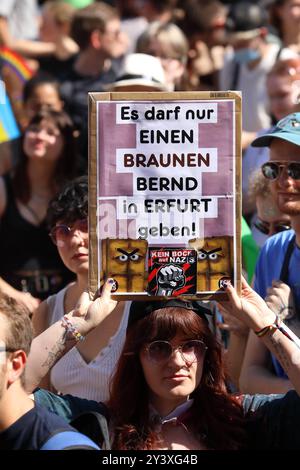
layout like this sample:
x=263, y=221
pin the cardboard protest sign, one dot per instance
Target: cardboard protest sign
x=164, y=192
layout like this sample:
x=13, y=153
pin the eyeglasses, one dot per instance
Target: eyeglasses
x=272, y=170
x=191, y=351
x=267, y=228
x=63, y=232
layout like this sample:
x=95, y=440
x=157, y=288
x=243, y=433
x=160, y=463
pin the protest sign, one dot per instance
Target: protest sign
x=164, y=192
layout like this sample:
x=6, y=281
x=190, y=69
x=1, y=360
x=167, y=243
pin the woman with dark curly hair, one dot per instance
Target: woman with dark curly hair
x=84, y=371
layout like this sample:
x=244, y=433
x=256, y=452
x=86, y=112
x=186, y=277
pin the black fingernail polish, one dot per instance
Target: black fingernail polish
x=114, y=284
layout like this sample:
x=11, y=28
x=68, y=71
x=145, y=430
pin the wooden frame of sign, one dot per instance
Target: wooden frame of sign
x=165, y=193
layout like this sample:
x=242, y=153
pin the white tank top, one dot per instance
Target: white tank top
x=72, y=374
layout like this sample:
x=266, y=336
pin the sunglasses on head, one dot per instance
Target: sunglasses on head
x=265, y=227
x=63, y=232
x=191, y=351
x=272, y=170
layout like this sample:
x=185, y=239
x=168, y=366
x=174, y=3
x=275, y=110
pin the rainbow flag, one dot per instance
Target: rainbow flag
x=8, y=126
x=17, y=72
x=16, y=63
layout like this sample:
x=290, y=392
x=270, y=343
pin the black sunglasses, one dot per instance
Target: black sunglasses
x=272, y=170
x=264, y=227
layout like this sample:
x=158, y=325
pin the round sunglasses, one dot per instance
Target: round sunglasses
x=191, y=351
x=63, y=232
x=272, y=170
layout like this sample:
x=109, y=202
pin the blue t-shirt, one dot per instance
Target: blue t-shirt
x=269, y=266
x=31, y=430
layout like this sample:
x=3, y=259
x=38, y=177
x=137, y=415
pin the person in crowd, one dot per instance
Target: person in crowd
x=204, y=26
x=85, y=370
x=55, y=25
x=97, y=31
x=171, y=377
x=282, y=90
x=162, y=11
x=134, y=74
x=137, y=15
x=285, y=17
x=24, y=425
x=41, y=92
x=169, y=44
x=248, y=62
x=18, y=21
x=269, y=219
x=19, y=30
x=133, y=21
x=279, y=257
x=30, y=266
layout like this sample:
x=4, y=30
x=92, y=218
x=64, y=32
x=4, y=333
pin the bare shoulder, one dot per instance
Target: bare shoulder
x=40, y=318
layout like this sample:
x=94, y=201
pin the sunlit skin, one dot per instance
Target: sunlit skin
x=113, y=41
x=280, y=94
x=268, y=212
x=43, y=141
x=43, y=96
x=173, y=67
x=74, y=251
x=49, y=28
x=289, y=13
x=284, y=189
x=172, y=381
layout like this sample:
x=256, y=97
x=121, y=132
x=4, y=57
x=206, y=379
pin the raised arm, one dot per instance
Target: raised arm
x=59, y=338
x=253, y=310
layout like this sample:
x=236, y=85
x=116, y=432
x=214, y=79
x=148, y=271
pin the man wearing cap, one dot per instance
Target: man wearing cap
x=247, y=64
x=279, y=259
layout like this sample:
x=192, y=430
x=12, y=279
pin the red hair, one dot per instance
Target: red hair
x=215, y=416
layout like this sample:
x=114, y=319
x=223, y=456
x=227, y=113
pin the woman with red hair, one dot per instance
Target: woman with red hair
x=169, y=388
x=171, y=377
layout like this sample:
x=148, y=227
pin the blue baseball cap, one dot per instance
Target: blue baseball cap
x=287, y=129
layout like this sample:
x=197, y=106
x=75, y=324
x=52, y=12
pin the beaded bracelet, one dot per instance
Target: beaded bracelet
x=277, y=325
x=71, y=329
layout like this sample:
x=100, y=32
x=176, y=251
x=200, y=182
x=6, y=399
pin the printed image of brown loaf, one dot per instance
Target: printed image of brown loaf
x=215, y=261
x=125, y=261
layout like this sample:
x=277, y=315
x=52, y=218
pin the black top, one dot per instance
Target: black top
x=58, y=68
x=74, y=90
x=29, y=259
x=31, y=430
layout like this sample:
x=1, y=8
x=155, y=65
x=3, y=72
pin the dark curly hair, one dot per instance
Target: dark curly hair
x=70, y=204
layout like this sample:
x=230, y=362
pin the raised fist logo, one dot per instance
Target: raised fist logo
x=169, y=278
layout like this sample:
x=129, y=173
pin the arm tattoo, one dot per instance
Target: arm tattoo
x=279, y=349
x=56, y=351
